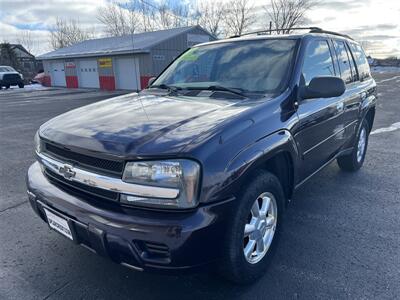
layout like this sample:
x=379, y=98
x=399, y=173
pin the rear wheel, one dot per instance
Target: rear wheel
x=254, y=232
x=354, y=160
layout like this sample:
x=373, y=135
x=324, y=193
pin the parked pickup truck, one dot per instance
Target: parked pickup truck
x=9, y=77
x=197, y=169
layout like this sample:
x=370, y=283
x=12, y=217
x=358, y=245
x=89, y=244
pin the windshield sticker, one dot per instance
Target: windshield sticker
x=191, y=55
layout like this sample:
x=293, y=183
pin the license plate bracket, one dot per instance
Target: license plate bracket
x=59, y=224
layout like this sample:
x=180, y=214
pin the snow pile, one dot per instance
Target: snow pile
x=28, y=87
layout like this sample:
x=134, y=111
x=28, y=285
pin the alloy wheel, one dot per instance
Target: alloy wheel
x=260, y=227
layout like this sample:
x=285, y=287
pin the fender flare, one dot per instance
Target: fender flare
x=263, y=149
x=365, y=107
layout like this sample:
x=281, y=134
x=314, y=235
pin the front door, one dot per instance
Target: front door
x=320, y=133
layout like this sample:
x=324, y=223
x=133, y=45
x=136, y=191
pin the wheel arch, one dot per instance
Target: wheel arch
x=370, y=117
x=280, y=164
x=277, y=154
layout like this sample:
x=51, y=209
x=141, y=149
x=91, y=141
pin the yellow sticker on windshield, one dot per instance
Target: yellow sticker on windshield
x=191, y=55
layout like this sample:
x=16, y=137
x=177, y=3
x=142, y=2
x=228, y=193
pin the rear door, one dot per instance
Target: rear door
x=320, y=131
x=366, y=85
x=352, y=96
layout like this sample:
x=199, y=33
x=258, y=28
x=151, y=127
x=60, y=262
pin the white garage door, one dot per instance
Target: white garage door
x=88, y=74
x=127, y=73
x=57, y=74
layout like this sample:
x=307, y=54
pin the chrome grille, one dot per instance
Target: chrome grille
x=98, y=164
x=80, y=188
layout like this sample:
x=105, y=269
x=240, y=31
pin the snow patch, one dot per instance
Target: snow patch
x=392, y=127
x=36, y=87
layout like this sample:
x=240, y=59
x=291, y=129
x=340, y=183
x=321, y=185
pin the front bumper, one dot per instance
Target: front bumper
x=12, y=81
x=137, y=238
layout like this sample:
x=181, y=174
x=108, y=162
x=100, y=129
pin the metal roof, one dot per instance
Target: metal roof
x=134, y=43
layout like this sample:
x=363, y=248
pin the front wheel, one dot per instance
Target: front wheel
x=21, y=85
x=354, y=160
x=254, y=232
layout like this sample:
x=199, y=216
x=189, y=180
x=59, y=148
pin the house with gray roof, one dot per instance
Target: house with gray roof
x=125, y=62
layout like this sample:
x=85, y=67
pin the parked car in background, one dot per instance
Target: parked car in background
x=10, y=77
x=197, y=169
x=40, y=77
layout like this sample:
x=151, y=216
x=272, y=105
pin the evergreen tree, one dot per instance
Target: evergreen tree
x=8, y=57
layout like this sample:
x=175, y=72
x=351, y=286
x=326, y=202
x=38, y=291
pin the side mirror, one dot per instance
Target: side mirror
x=151, y=80
x=323, y=87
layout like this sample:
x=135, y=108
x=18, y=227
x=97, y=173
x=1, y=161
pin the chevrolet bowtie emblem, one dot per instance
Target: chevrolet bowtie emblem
x=67, y=171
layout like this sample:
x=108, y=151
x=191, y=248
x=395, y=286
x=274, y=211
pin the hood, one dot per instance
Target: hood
x=140, y=125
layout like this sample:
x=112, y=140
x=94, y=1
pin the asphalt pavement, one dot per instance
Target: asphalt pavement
x=341, y=240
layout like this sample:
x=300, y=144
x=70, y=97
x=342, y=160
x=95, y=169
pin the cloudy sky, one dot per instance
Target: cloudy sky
x=376, y=23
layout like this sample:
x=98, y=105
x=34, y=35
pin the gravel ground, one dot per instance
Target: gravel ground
x=342, y=238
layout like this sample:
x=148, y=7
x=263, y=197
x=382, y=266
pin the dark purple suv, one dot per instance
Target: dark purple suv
x=197, y=169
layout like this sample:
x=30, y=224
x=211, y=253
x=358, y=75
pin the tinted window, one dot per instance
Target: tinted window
x=254, y=66
x=344, y=61
x=318, y=61
x=354, y=73
x=361, y=61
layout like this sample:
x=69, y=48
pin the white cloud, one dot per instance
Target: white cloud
x=376, y=23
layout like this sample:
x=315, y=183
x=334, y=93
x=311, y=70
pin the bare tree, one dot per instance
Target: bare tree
x=180, y=11
x=239, y=16
x=147, y=12
x=118, y=20
x=164, y=15
x=209, y=14
x=66, y=33
x=170, y=15
x=25, y=39
x=287, y=14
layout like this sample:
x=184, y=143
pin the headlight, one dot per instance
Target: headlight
x=180, y=174
x=38, y=146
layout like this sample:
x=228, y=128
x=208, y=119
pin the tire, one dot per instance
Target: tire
x=234, y=266
x=21, y=85
x=7, y=86
x=354, y=161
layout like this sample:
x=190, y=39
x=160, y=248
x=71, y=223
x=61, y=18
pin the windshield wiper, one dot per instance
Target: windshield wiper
x=169, y=88
x=235, y=91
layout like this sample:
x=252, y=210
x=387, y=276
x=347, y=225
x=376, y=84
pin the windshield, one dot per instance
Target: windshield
x=6, y=69
x=257, y=66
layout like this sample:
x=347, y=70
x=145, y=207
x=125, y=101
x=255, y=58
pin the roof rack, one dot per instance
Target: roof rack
x=311, y=30
x=320, y=30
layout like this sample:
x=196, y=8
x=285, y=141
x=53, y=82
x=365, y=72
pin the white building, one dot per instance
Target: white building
x=125, y=62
